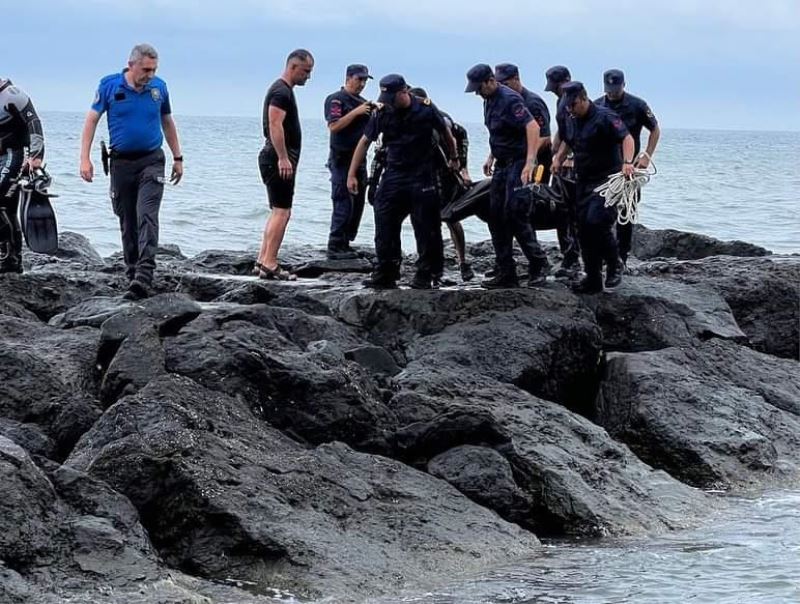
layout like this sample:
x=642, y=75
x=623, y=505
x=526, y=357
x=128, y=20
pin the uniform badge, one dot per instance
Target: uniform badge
x=156, y=94
x=96, y=97
x=426, y=101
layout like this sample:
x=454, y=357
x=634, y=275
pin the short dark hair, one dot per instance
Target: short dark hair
x=301, y=54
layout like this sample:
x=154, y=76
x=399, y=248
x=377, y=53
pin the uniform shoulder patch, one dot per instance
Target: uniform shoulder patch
x=426, y=101
x=379, y=106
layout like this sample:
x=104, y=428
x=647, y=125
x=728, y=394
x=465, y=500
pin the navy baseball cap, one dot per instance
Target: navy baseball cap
x=391, y=85
x=613, y=80
x=418, y=92
x=572, y=91
x=477, y=75
x=358, y=70
x=505, y=71
x=556, y=76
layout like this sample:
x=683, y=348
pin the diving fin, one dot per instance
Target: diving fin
x=37, y=217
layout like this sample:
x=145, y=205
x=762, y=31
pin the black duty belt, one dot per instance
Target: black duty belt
x=129, y=155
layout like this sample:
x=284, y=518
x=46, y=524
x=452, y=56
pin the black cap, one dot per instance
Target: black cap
x=358, y=70
x=477, y=75
x=572, y=90
x=613, y=80
x=391, y=85
x=556, y=76
x=505, y=71
x=418, y=92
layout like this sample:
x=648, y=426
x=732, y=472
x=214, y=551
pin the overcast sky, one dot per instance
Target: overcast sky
x=724, y=64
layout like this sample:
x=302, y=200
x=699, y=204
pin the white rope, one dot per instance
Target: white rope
x=623, y=191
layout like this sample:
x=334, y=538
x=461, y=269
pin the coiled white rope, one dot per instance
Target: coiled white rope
x=623, y=191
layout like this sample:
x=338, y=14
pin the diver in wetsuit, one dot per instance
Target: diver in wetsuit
x=20, y=129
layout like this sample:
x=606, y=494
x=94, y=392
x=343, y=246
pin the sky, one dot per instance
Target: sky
x=712, y=64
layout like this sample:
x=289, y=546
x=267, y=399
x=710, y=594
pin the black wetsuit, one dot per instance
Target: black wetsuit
x=20, y=128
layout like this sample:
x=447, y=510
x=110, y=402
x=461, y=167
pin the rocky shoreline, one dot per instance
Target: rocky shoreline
x=231, y=439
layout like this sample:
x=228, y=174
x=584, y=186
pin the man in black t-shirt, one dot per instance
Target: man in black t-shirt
x=279, y=157
x=346, y=113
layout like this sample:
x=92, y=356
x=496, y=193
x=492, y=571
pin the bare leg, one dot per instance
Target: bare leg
x=274, y=231
x=459, y=243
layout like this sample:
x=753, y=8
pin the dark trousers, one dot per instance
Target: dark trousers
x=402, y=193
x=595, y=230
x=509, y=219
x=137, y=186
x=625, y=235
x=10, y=233
x=567, y=229
x=347, y=208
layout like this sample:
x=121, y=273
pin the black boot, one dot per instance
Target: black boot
x=501, y=281
x=614, y=274
x=378, y=280
x=421, y=280
x=588, y=285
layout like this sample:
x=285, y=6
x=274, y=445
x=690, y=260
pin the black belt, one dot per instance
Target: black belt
x=130, y=155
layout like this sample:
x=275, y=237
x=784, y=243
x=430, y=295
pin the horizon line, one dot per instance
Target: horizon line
x=685, y=128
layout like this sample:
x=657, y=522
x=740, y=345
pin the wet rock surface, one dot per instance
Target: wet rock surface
x=323, y=440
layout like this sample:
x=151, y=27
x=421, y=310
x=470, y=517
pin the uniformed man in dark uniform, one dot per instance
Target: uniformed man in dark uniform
x=508, y=74
x=636, y=114
x=408, y=185
x=556, y=77
x=451, y=183
x=602, y=146
x=139, y=110
x=20, y=129
x=514, y=141
x=346, y=113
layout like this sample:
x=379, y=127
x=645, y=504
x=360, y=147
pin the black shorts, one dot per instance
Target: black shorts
x=280, y=191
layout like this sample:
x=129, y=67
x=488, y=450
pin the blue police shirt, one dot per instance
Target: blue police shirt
x=506, y=118
x=634, y=112
x=407, y=133
x=134, y=117
x=596, y=144
x=337, y=105
x=538, y=109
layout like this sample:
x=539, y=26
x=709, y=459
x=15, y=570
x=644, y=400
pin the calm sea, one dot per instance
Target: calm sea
x=731, y=185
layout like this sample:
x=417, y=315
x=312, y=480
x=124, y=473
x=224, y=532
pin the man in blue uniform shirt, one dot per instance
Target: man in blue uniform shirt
x=636, y=114
x=346, y=113
x=139, y=110
x=513, y=141
x=556, y=78
x=602, y=146
x=408, y=185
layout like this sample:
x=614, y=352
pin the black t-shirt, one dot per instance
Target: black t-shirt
x=280, y=95
x=337, y=105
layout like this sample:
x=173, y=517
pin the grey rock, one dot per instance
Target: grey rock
x=223, y=494
x=763, y=293
x=716, y=415
x=649, y=243
x=374, y=358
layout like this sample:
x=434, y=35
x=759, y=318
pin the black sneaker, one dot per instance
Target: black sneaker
x=467, y=274
x=588, y=286
x=379, y=281
x=136, y=291
x=500, y=282
x=614, y=274
x=538, y=275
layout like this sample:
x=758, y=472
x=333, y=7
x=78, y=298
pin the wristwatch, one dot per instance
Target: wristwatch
x=178, y=158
